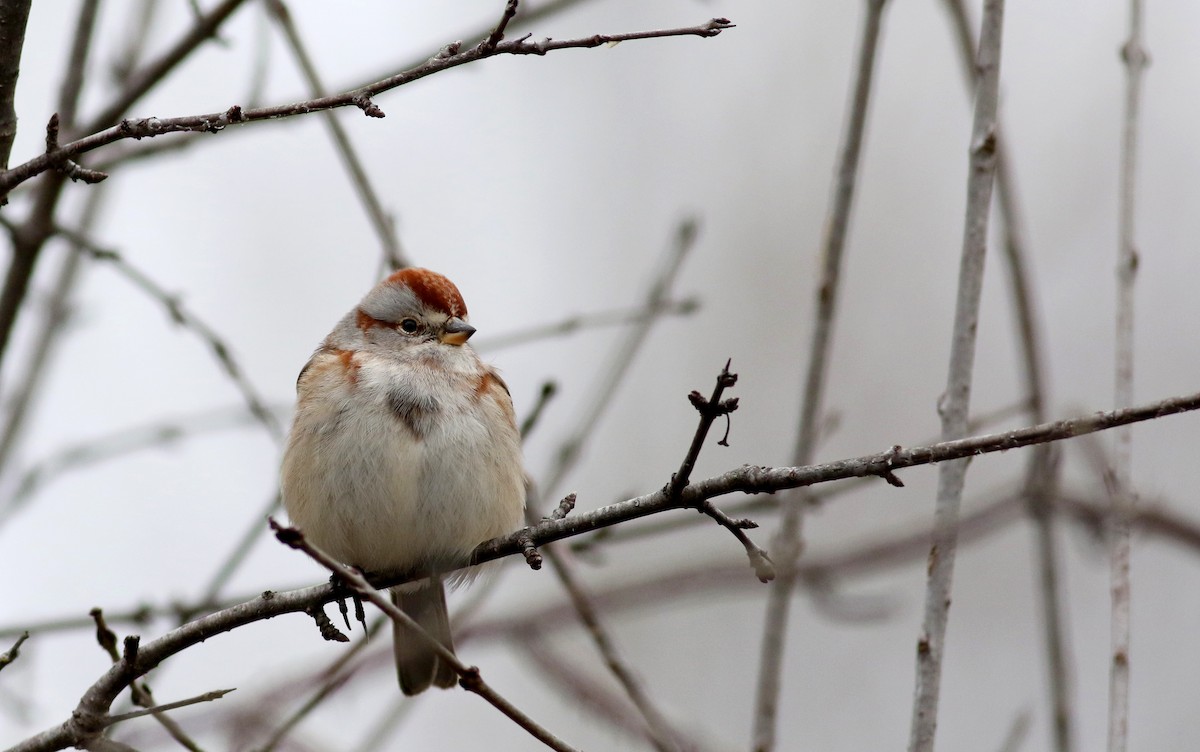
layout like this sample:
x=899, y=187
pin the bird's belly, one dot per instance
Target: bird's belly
x=376, y=496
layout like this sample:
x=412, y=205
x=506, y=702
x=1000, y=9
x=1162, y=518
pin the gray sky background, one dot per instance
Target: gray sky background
x=548, y=187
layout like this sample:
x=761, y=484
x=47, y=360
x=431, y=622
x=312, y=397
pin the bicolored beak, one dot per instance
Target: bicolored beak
x=456, y=331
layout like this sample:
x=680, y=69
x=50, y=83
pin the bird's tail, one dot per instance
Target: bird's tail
x=416, y=663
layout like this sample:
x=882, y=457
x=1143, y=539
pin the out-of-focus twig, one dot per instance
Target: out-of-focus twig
x=382, y=223
x=589, y=695
x=787, y=543
x=658, y=730
x=601, y=395
x=51, y=327
x=180, y=314
x=120, y=443
x=10, y=655
x=14, y=14
x=469, y=676
x=582, y=322
x=1121, y=485
x=30, y=238
x=955, y=403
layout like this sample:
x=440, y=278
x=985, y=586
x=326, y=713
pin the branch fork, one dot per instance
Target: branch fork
x=710, y=409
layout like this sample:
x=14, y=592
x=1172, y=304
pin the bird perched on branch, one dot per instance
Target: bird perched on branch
x=404, y=453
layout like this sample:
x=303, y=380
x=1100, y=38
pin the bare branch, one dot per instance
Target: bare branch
x=450, y=57
x=190, y=321
x=1042, y=472
x=469, y=676
x=787, y=544
x=14, y=14
x=385, y=229
x=571, y=448
x=40, y=225
x=584, y=321
x=955, y=406
x=206, y=697
x=747, y=479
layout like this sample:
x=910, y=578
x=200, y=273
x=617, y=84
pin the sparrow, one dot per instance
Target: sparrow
x=404, y=453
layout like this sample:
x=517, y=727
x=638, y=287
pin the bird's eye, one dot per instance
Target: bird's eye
x=409, y=325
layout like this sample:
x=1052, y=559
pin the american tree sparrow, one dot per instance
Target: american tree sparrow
x=404, y=452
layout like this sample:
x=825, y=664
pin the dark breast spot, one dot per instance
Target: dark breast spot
x=415, y=412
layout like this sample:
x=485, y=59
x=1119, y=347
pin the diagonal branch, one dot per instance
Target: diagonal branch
x=787, y=544
x=382, y=223
x=469, y=676
x=747, y=479
x=451, y=56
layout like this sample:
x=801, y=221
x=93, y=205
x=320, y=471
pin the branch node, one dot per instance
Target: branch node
x=368, y=107
x=130, y=653
x=565, y=507
x=470, y=679
x=14, y=652
x=489, y=43
x=525, y=541
x=104, y=636
x=52, y=133
x=449, y=50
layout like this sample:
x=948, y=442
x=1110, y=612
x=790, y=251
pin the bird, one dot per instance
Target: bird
x=404, y=453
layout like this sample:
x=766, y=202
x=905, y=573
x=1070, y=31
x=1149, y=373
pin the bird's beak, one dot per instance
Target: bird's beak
x=456, y=331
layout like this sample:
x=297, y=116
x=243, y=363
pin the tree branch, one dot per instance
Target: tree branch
x=451, y=56
x=746, y=479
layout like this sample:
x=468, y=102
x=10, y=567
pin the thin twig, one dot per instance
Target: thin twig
x=1017, y=732
x=469, y=676
x=139, y=691
x=787, y=543
x=236, y=556
x=769, y=504
x=40, y=225
x=658, y=730
x=710, y=409
x=206, y=697
x=50, y=328
x=955, y=404
x=582, y=322
x=180, y=314
x=10, y=655
x=119, y=443
x=138, y=82
x=571, y=448
x=545, y=394
x=586, y=694
x=746, y=479
x=450, y=57
x=1124, y=496
x=383, y=225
